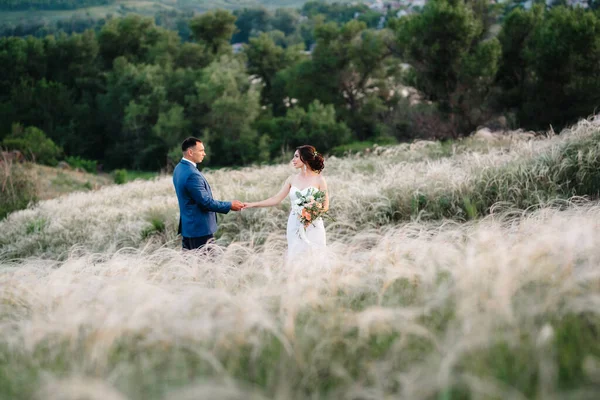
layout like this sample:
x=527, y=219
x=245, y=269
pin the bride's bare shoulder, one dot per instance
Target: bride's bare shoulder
x=322, y=182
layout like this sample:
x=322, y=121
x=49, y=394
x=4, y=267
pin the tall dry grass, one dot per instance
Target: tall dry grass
x=506, y=307
x=460, y=183
x=17, y=186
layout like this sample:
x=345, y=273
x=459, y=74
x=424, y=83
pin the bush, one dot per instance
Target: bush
x=419, y=121
x=120, y=176
x=86, y=165
x=17, y=189
x=33, y=143
x=316, y=126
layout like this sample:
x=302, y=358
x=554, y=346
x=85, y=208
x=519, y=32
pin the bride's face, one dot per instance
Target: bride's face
x=296, y=161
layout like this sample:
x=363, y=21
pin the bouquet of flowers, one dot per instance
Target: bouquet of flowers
x=310, y=206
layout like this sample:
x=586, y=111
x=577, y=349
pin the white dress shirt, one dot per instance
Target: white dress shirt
x=191, y=162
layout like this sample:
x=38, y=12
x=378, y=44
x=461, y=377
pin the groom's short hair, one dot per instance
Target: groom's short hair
x=189, y=142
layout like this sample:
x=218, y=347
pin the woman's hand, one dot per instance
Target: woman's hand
x=249, y=205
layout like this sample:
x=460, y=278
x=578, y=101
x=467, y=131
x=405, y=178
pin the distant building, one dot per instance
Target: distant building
x=578, y=3
x=237, y=47
x=377, y=5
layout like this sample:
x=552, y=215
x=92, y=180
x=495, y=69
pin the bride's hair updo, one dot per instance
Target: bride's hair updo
x=310, y=156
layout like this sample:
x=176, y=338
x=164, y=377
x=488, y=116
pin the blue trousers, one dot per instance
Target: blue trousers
x=195, y=242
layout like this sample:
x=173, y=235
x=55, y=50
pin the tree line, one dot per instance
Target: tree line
x=14, y=5
x=127, y=92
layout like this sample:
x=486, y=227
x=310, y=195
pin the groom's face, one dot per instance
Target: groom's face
x=197, y=153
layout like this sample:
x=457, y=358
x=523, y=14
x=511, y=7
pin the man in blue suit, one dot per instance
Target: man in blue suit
x=197, y=208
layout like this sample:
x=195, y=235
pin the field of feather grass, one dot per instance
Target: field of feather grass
x=464, y=271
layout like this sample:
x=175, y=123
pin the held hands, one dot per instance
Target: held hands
x=237, y=205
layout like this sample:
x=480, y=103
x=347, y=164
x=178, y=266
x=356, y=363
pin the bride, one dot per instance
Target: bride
x=308, y=179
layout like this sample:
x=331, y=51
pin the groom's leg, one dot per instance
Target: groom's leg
x=195, y=242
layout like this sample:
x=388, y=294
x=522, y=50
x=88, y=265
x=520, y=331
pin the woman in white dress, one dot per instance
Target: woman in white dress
x=309, y=164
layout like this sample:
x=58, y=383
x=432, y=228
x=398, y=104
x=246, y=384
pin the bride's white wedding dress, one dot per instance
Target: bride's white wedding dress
x=300, y=243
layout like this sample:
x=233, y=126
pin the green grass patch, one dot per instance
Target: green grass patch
x=157, y=227
x=143, y=175
x=122, y=176
x=36, y=226
x=66, y=183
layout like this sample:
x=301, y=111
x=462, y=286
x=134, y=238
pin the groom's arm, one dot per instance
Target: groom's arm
x=201, y=196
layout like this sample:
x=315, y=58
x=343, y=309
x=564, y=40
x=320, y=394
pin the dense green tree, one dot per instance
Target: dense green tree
x=74, y=60
x=33, y=143
x=21, y=58
x=135, y=96
x=250, y=22
x=40, y=26
x=266, y=60
x=334, y=12
x=214, y=30
x=486, y=13
x=43, y=104
x=193, y=55
x=563, y=56
x=317, y=125
x=371, y=18
x=347, y=70
x=517, y=30
x=453, y=66
x=175, y=20
x=224, y=109
x=286, y=21
x=172, y=126
x=138, y=39
x=550, y=61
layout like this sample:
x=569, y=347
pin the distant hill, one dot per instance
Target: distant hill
x=19, y=5
x=54, y=182
x=26, y=12
x=30, y=5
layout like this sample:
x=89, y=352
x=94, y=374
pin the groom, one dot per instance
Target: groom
x=197, y=208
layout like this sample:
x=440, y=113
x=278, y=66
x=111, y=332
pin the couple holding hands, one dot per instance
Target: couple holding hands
x=198, y=208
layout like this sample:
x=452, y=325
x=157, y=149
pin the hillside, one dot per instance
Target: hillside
x=24, y=184
x=54, y=182
x=14, y=13
x=34, y=5
x=95, y=11
x=475, y=264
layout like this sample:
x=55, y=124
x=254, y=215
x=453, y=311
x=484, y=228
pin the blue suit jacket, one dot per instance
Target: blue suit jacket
x=197, y=207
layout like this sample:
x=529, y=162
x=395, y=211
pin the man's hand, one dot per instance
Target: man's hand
x=237, y=205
